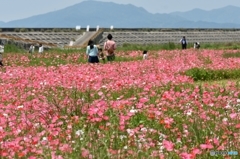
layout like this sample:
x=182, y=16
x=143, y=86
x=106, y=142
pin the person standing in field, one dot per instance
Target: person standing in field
x=145, y=54
x=183, y=42
x=92, y=52
x=110, y=46
x=1, y=52
x=31, y=48
x=40, y=49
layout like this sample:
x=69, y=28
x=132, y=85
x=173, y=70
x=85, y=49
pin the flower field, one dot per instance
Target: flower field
x=58, y=106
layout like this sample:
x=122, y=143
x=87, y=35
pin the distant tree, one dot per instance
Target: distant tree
x=56, y=30
x=23, y=30
x=16, y=30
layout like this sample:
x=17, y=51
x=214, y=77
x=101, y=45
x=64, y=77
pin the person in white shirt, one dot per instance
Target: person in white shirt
x=145, y=54
x=40, y=50
x=183, y=41
x=92, y=52
x=1, y=52
x=31, y=48
x=196, y=45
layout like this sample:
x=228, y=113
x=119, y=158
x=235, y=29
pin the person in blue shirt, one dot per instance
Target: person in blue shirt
x=92, y=52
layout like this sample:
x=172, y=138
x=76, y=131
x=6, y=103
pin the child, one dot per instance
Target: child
x=196, y=45
x=145, y=54
x=101, y=54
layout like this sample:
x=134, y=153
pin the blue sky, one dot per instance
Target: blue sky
x=19, y=9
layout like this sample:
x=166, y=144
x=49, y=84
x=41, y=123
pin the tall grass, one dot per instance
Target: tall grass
x=13, y=48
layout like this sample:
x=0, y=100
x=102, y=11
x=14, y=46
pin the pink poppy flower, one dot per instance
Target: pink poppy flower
x=237, y=126
x=168, y=145
x=196, y=151
x=233, y=115
x=206, y=146
x=85, y=153
x=186, y=155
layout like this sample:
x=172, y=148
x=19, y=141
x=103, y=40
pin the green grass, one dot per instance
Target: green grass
x=203, y=74
x=173, y=46
x=130, y=47
x=167, y=46
x=220, y=46
x=13, y=48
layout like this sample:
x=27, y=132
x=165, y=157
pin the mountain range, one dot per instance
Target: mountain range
x=105, y=14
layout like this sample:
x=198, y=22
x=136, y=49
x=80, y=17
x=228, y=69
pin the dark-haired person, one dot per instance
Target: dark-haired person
x=92, y=52
x=145, y=54
x=101, y=54
x=40, y=49
x=196, y=45
x=183, y=41
x=1, y=52
x=110, y=46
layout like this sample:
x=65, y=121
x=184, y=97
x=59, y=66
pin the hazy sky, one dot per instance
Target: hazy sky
x=19, y=9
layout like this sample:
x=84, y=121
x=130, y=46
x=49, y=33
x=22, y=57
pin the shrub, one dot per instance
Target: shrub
x=203, y=74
